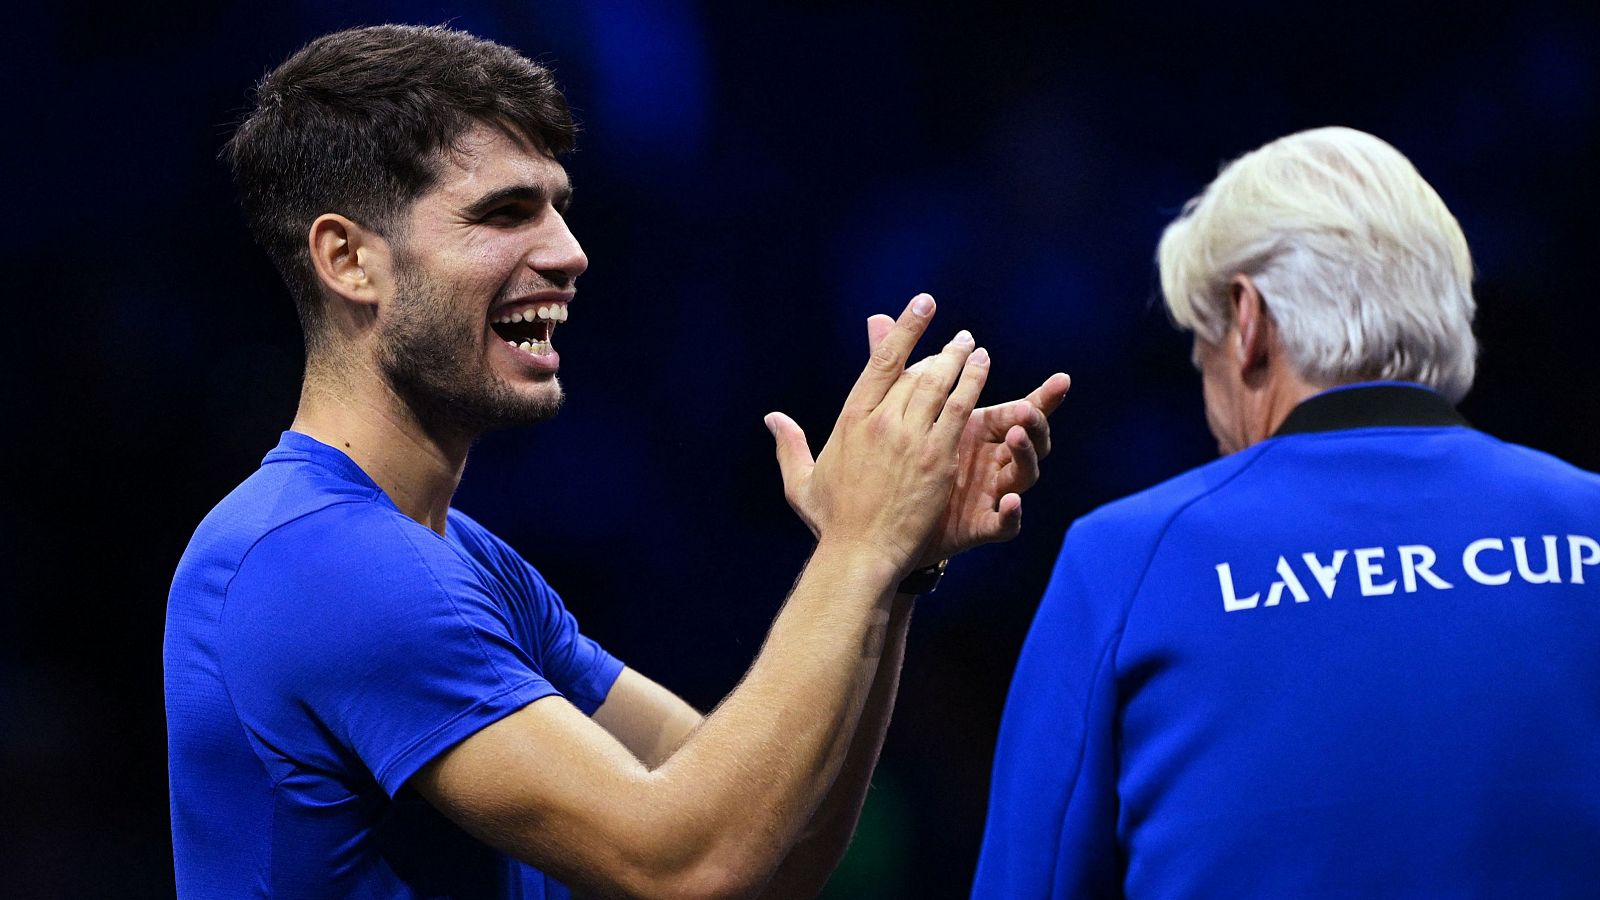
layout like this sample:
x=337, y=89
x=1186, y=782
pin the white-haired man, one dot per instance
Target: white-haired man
x=1356, y=655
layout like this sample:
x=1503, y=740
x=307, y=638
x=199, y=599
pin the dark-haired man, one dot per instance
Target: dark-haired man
x=368, y=693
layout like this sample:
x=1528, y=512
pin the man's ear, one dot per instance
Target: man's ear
x=349, y=260
x=1252, y=323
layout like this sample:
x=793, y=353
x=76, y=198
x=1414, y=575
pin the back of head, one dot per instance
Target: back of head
x=358, y=123
x=1364, y=270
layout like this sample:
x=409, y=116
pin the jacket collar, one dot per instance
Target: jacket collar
x=1370, y=405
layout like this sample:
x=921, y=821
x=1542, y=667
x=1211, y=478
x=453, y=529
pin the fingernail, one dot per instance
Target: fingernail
x=767, y=420
x=922, y=304
x=963, y=337
x=979, y=356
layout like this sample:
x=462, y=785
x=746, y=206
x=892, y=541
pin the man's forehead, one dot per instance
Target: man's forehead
x=486, y=160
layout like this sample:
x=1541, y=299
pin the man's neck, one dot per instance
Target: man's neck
x=1276, y=397
x=368, y=422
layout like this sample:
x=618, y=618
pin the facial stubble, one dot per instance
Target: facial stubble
x=433, y=355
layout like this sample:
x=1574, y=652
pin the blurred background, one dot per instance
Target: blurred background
x=754, y=179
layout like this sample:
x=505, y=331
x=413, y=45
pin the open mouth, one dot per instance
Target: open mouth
x=530, y=328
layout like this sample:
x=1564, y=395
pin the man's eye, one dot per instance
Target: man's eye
x=507, y=214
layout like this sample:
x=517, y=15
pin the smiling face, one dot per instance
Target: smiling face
x=484, y=271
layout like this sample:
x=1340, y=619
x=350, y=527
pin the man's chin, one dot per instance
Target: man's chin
x=533, y=403
x=469, y=413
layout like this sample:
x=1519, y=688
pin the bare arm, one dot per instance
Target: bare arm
x=1000, y=450
x=807, y=868
x=552, y=787
x=651, y=721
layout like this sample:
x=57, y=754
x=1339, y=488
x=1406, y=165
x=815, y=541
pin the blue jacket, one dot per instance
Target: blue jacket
x=1360, y=658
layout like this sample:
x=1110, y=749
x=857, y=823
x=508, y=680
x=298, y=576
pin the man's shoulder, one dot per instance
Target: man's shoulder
x=490, y=551
x=352, y=537
x=301, y=525
x=273, y=495
x=1142, y=517
x=1286, y=479
x=1537, y=465
x=1108, y=550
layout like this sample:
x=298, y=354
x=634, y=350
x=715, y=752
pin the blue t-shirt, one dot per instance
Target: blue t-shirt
x=321, y=647
x=1361, y=659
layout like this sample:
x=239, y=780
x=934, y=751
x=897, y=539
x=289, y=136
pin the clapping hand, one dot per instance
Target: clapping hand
x=999, y=456
x=884, y=479
x=996, y=452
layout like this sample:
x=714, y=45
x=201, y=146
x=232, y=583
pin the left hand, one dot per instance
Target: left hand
x=998, y=459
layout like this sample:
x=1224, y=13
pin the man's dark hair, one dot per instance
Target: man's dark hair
x=358, y=123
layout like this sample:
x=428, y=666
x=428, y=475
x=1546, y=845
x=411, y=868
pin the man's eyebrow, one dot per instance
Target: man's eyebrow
x=519, y=193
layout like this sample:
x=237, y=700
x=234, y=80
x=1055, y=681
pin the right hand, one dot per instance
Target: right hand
x=884, y=478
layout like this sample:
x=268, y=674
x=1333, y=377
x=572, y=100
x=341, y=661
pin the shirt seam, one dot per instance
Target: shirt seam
x=590, y=692
x=1266, y=447
x=1112, y=644
x=228, y=591
x=1166, y=527
x=227, y=688
x=450, y=598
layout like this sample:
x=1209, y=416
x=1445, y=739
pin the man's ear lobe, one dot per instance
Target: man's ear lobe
x=346, y=257
x=1251, y=321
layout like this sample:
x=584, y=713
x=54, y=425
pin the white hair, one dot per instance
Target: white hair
x=1364, y=270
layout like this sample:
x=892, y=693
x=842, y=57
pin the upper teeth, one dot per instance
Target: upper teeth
x=553, y=312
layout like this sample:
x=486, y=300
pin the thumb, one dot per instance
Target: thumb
x=794, y=454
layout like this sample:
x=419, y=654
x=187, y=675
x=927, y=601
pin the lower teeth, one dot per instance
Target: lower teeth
x=534, y=347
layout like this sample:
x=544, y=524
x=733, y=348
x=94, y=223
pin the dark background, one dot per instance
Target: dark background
x=753, y=181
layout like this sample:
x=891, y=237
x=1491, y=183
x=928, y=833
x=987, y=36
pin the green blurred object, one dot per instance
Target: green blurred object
x=879, y=858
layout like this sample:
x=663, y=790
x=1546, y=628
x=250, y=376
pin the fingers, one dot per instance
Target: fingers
x=1002, y=523
x=888, y=359
x=1047, y=397
x=794, y=454
x=959, y=405
x=1023, y=472
x=1008, y=518
x=878, y=328
x=1032, y=413
x=1036, y=430
x=922, y=390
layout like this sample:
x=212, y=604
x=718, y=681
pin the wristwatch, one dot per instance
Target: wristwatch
x=923, y=580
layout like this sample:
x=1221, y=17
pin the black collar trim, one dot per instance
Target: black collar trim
x=1370, y=406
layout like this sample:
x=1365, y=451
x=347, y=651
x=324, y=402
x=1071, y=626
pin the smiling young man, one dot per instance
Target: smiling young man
x=368, y=694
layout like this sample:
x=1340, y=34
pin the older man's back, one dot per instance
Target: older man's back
x=1356, y=657
x=1346, y=662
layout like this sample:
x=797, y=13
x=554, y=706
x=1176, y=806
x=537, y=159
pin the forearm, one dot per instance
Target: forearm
x=808, y=867
x=751, y=777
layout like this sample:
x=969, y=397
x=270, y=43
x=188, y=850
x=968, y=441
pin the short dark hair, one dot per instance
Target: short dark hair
x=357, y=123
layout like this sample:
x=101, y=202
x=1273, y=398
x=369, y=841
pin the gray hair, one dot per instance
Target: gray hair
x=1364, y=270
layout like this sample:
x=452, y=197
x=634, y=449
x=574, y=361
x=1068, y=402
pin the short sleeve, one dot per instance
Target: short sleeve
x=572, y=661
x=578, y=666
x=362, y=640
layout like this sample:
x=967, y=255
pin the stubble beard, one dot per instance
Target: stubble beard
x=433, y=357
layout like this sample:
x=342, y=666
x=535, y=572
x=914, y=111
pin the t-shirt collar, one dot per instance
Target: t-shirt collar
x=293, y=445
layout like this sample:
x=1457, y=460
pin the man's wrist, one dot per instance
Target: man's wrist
x=858, y=560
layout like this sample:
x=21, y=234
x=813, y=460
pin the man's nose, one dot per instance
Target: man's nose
x=558, y=256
